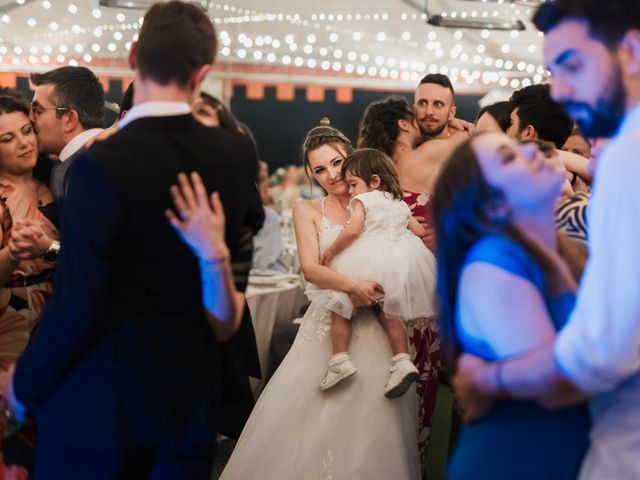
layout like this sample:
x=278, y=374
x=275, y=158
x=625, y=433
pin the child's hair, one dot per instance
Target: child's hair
x=367, y=162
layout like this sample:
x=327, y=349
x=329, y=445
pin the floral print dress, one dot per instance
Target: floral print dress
x=23, y=297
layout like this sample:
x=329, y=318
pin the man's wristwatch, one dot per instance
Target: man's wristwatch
x=51, y=255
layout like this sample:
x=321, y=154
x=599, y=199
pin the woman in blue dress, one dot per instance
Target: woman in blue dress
x=504, y=290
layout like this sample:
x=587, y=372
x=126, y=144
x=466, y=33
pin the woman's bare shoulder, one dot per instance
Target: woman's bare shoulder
x=307, y=208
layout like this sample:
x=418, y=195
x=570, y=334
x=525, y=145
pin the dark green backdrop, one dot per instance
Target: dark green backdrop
x=280, y=126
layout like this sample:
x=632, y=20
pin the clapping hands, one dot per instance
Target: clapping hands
x=200, y=221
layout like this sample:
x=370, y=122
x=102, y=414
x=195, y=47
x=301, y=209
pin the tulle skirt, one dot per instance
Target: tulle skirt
x=350, y=432
x=404, y=267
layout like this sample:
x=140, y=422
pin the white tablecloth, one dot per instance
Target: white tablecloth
x=272, y=308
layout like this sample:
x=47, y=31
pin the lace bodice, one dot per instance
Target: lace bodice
x=328, y=231
x=386, y=217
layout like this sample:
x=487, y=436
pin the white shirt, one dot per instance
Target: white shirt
x=154, y=109
x=599, y=348
x=77, y=142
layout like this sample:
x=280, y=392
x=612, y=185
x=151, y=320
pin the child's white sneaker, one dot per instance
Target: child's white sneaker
x=402, y=374
x=340, y=367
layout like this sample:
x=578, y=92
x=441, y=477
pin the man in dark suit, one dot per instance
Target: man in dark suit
x=68, y=110
x=123, y=374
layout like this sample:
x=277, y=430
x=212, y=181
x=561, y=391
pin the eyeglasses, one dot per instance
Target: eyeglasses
x=38, y=109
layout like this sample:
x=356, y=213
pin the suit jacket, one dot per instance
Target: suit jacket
x=239, y=361
x=59, y=175
x=124, y=356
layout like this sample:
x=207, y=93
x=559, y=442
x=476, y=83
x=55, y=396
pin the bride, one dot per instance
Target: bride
x=351, y=432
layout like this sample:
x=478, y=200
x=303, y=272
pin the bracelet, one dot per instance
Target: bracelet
x=51, y=254
x=497, y=377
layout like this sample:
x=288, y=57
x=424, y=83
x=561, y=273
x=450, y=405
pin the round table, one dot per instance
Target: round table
x=273, y=309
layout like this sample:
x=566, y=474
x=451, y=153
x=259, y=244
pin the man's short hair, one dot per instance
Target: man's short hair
x=76, y=88
x=438, y=79
x=608, y=20
x=535, y=107
x=500, y=111
x=175, y=40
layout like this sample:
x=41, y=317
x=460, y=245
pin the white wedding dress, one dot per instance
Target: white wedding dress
x=350, y=432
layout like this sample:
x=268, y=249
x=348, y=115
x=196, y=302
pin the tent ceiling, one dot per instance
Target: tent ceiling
x=382, y=42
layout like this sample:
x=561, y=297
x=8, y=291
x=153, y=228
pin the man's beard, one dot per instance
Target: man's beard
x=605, y=119
x=433, y=132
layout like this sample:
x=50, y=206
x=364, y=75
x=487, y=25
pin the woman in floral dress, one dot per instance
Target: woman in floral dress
x=25, y=201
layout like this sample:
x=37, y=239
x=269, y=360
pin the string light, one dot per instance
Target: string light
x=369, y=42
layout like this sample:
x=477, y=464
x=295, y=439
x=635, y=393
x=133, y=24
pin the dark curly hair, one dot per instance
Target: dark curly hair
x=379, y=125
x=13, y=101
